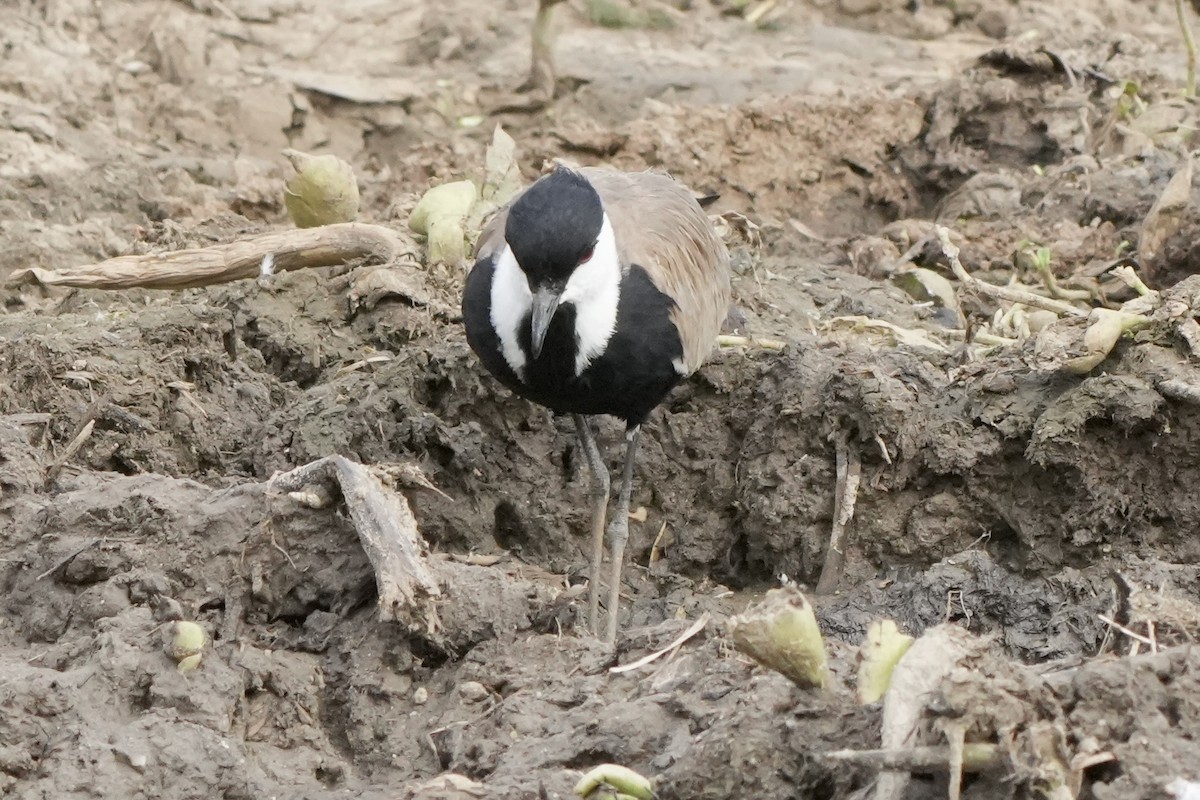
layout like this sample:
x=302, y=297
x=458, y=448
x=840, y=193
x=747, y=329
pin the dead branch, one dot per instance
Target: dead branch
x=325, y=246
x=388, y=532
x=71, y=449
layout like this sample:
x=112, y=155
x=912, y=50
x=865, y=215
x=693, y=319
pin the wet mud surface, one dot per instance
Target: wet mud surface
x=998, y=491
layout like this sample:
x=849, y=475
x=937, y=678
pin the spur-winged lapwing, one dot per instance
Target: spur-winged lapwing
x=594, y=292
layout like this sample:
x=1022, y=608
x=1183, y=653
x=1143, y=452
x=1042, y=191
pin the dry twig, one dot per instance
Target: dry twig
x=657, y=654
x=62, y=562
x=71, y=449
x=910, y=337
x=1002, y=292
x=976, y=757
x=849, y=473
x=730, y=340
x=83, y=432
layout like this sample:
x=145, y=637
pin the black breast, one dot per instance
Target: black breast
x=627, y=380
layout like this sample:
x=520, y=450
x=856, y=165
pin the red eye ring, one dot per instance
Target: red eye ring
x=586, y=255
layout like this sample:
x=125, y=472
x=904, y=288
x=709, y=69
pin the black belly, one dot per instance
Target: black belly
x=632, y=376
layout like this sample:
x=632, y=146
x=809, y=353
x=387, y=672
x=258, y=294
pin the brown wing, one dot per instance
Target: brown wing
x=491, y=238
x=660, y=227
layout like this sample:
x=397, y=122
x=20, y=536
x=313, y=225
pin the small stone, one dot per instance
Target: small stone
x=856, y=8
x=472, y=691
x=993, y=22
x=421, y=696
x=133, y=755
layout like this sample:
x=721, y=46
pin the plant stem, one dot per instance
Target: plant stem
x=1189, y=44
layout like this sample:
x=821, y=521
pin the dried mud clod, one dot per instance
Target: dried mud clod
x=956, y=704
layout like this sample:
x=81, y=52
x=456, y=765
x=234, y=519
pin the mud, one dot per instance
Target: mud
x=137, y=429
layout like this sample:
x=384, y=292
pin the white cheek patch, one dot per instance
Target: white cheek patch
x=594, y=288
x=511, y=302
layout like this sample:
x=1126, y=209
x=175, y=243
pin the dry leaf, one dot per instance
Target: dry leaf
x=1166, y=215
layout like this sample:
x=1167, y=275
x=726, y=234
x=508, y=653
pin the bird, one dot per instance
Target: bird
x=594, y=292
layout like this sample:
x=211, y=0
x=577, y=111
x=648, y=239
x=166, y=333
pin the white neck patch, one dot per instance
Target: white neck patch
x=511, y=302
x=594, y=288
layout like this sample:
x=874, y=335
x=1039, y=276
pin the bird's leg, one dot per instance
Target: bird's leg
x=599, y=496
x=542, y=72
x=618, y=530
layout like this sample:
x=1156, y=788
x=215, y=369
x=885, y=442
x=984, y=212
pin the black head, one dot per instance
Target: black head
x=553, y=227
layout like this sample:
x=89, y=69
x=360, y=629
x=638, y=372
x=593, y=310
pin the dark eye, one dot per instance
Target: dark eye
x=586, y=255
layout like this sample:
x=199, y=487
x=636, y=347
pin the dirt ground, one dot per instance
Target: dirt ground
x=998, y=491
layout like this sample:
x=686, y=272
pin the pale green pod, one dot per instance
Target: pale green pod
x=881, y=650
x=624, y=780
x=323, y=191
